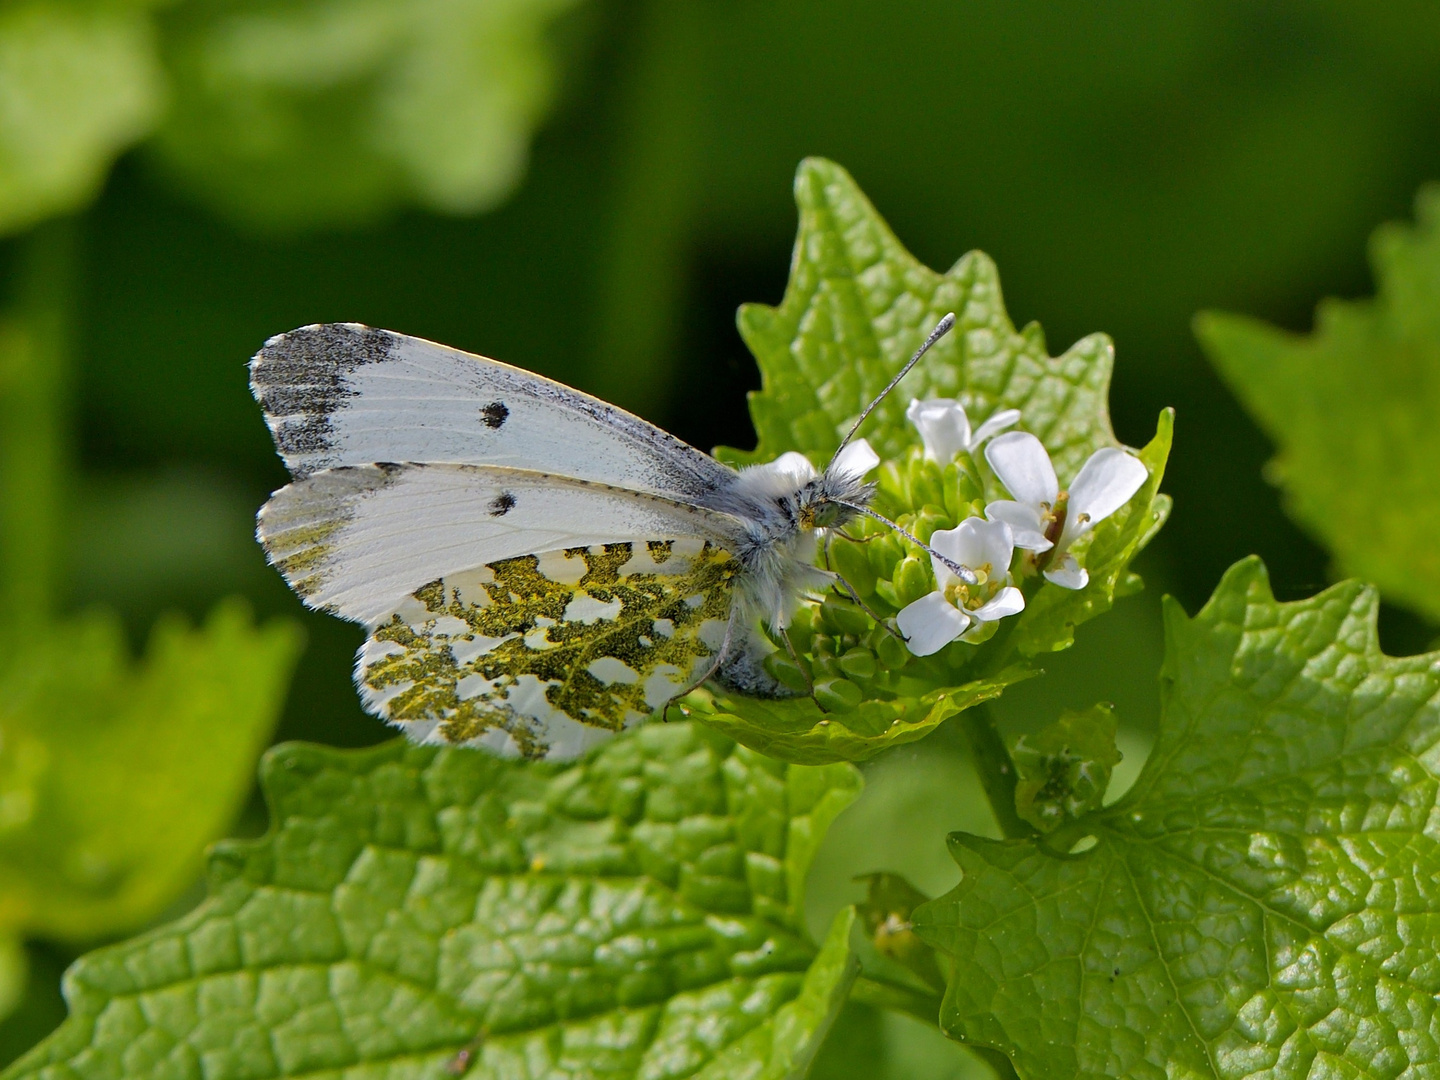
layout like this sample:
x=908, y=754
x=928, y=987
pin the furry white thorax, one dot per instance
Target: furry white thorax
x=784, y=505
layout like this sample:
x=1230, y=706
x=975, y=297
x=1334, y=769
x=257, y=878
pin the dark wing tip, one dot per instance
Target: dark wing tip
x=301, y=378
x=321, y=346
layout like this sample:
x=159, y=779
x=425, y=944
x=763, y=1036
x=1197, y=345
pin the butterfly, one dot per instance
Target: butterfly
x=537, y=569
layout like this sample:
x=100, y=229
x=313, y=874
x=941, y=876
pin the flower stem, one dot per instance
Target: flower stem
x=35, y=351
x=996, y=769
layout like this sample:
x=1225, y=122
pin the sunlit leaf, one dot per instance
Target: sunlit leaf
x=858, y=304
x=294, y=114
x=636, y=914
x=115, y=775
x=79, y=83
x=797, y=729
x=1262, y=902
x=1352, y=409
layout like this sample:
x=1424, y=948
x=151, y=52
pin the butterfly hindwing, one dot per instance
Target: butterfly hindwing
x=357, y=540
x=545, y=655
x=345, y=394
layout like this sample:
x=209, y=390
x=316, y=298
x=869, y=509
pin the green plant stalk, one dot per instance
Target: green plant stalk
x=996, y=770
x=35, y=371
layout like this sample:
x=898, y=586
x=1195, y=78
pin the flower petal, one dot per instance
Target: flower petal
x=1067, y=573
x=944, y=428
x=998, y=422
x=1105, y=483
x=857, y=458
x=1022, y=463
x=1008, y=601
x=1027, y=527
x=975, y=543
x=792, y=463
x=931, y=623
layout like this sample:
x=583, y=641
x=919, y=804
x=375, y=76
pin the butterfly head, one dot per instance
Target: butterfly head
x=829, y=500
x=788, y=496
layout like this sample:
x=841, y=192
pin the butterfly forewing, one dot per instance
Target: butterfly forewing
x=545, y=655
x=357, y=540
x=344, y=394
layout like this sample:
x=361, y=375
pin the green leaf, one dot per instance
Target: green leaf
x=798, y=730
x=1062, y=771
x=798, y=1031
x=1048, y=622
x=635, y=914
x=858, y=304
x=302, y=114
x=856, y=307
x=1262, y=902
x=79, y=83
x=1352, y=407
x=115, y=776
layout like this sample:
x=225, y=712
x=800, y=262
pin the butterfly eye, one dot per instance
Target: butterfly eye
x=827, y=514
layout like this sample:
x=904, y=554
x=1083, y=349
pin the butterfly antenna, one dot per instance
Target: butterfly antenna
x=964, y=573
x=943, y=327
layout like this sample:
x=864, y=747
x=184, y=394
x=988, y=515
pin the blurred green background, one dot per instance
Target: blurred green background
x=589, y=188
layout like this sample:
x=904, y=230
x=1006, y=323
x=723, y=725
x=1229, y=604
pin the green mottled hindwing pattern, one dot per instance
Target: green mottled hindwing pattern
x=547, y=654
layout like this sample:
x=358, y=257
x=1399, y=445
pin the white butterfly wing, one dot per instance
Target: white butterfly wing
x=356, y=540
x=546, y=655
x=344, y=394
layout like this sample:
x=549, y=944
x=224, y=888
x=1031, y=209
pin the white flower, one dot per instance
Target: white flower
x=792, y=470
x=955, y=609
x=945, y=429
x=1042, y=517
x=857, y=457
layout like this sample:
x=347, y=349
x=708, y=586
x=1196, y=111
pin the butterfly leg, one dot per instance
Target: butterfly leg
x=795, y=656
x=720, y=655
x=855, y=596
x=850, y=591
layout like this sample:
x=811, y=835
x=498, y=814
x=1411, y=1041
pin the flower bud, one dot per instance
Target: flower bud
x=858, y=663
x=786, y=672
x=927, y=487
x=892, y=652
x=884, y=552
x=962, y=487
x=912, y=580
x=929, y=520
x=844, y=616
x=838, y=695
x=853, y=564
x=802, y=628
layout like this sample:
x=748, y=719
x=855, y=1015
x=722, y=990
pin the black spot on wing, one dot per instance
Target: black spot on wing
x=495, y=414
x=502, y=504
x=301, y=379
